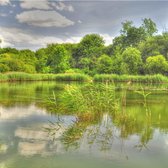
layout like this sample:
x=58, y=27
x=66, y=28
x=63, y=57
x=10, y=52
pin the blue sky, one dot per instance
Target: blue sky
x=35, y=23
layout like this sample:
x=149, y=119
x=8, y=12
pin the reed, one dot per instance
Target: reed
x=21, y=76
x=130, y=78
x=90, y=99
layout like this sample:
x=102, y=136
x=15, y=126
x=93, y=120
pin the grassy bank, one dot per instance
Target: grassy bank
x=130, y=78
x=19, y=76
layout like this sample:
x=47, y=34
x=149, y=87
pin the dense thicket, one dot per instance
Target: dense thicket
x=137, y=50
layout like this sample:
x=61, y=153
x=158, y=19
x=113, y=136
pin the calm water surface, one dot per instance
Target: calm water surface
x=29, y=134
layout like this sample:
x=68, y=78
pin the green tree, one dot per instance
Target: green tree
x=90, y=46
x=14, y=63
x=85, y=64
x=28, y=57
x=9, y=50
x=42, y=58
x=125, y=27
x=104, y=64
x=156, y=64
x=132, y=60
x=117, y=61
x=149, y=48
x=154, y=46
x=58, y=59
x=131, y=35
x=149, y=26
x=4, y=68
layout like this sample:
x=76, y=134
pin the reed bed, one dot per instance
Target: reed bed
x=20, y=76
x=130, y=78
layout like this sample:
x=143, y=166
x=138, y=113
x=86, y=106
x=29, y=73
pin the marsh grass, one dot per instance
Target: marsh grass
x=144, y=94
x=98, y=104
x=21, y=76
x=130, y=78
x=72, y=77
x=90, y=99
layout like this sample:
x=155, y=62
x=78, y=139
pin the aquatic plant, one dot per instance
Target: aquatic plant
x=90, y=99
x=144, y=95
x=132, y=78
x=21, y=76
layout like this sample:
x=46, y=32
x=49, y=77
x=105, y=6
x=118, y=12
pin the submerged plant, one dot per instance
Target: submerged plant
x=144, y=95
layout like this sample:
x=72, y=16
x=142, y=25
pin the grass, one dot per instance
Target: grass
x=72, y=77
x=88, y=103
x=90, y=99
x=130, y=78
x=20, y=76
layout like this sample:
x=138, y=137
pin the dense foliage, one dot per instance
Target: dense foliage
x=136, y=51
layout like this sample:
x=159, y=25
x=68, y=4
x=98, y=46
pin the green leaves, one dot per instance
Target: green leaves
x=58, y=59
x=132, y=60
x=156, y=64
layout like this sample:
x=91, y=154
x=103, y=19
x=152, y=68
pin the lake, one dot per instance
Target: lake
x=32, y=135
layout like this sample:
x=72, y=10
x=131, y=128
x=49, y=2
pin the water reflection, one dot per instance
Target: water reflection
x=29, y=131
x=30, y=134
x=15, y=112
x=29, y=148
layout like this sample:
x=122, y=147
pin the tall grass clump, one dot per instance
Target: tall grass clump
x=3, y=77
x=21, y=76
x=72, y=77
x=158, y=78
x=90, y=101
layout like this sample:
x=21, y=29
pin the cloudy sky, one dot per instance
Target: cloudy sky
x=35, y=23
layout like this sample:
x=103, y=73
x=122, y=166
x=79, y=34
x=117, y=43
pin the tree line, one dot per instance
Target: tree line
x=137, y=50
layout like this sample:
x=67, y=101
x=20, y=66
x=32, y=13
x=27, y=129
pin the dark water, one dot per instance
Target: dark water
x=29, y=134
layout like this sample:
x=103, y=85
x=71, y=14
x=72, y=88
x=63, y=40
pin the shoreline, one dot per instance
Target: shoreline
x=79, y=77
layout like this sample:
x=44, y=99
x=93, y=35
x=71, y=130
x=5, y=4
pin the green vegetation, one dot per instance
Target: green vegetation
x=136, y=51
x=88, y=103
x=96, y=109
x=75, y=76
x=130, y=78
x=97, y=106
x=21, y=76
x=90, y=99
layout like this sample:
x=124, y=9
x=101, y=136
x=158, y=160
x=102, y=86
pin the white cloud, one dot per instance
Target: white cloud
x=30, y=4
x=45, y=5
x=17, y=37
x=107, y=38
x=4, y=2
x=4, y=43
x=62, y=6
x=12, y=36
x=44, y=19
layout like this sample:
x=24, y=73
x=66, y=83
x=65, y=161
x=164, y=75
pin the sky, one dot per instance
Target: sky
x=35, y=23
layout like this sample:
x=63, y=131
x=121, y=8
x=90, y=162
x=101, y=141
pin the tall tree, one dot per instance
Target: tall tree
x=58, y=59
x=104, y=64
x=149, y=26
x=132, y=60
x=156, y=64
x=42, y=58
x=91, y=45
